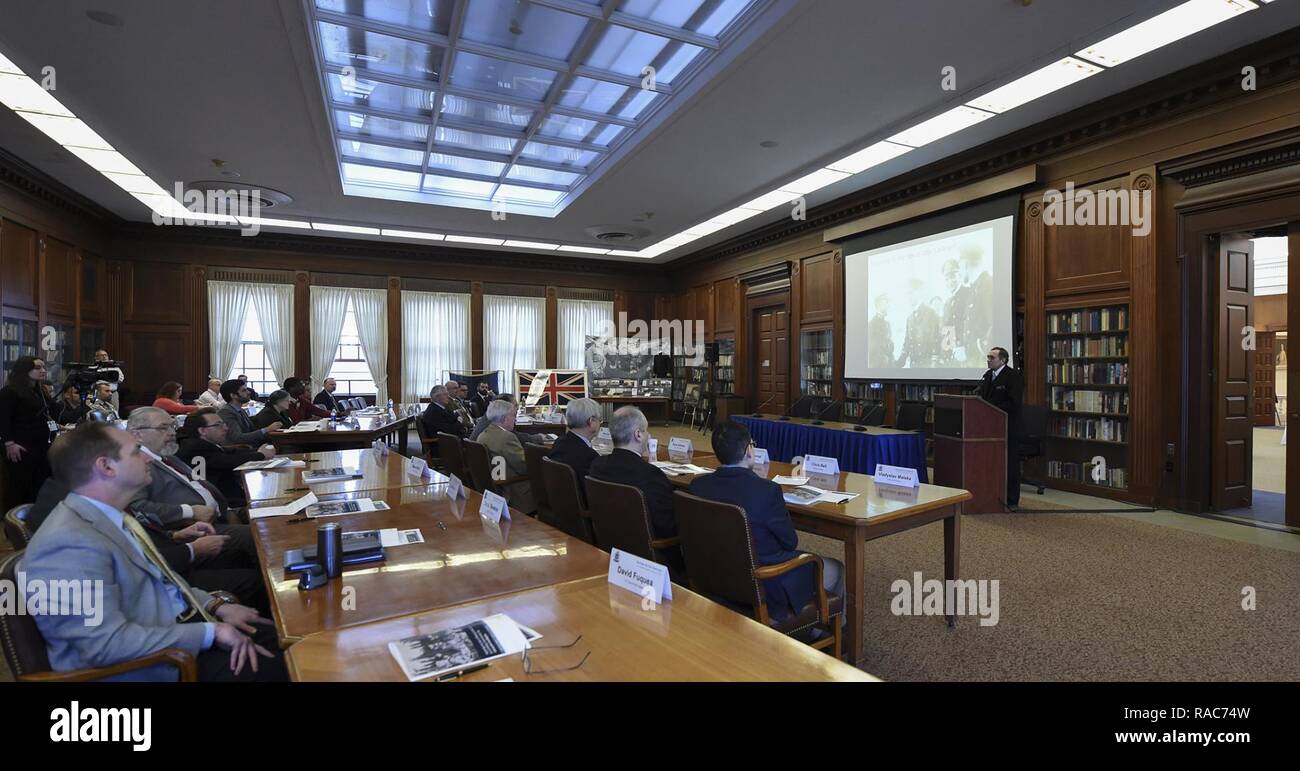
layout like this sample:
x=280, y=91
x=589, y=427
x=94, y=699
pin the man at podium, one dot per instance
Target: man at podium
x=1004, y=388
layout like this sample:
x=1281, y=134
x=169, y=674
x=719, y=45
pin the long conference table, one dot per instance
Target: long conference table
x=857, y=451
x=347, y=434
x=469, y=567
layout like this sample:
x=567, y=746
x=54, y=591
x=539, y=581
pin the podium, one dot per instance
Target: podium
x=970, y=450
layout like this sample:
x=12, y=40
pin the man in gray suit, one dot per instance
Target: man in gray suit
x=499, y=438
x=238, y=422
x=146, y=606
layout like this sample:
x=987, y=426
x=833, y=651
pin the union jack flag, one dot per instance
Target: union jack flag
x=555, y=387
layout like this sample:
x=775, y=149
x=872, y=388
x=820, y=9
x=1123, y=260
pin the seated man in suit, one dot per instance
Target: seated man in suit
x=300, y=404
x=482, y=398
x=574, y=446
x=326, y=396
x=69, y=410
x=239, y=424
x=775, y=540
x=482, y=423
x=499, y=438
x=439, y=417
x=202, y=436
x=627, y=465
x=456, y=403
x=145, y=605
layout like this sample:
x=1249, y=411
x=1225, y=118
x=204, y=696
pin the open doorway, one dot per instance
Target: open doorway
x=1249, y=483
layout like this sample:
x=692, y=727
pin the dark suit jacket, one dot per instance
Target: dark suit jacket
x=327, y=400
x=167, y=492
x=240, y=428
x=269, y=415
x=627, y=468
x=480, y=404
x=1007, y=393
x=221, y=463
x=577, y=454
x=775, y=540
x=176, y=554
x=437, y=418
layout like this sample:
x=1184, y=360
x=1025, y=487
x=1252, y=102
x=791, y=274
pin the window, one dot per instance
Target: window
x=514, y=334
x=435, y=340
x=251, y=359
x=350, y=368
x=576, y=320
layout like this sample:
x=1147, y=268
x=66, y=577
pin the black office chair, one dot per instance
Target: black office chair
x=832, y=412
x=1033, y=428
x=873, y=415
x=802, y=408
x=911, y=416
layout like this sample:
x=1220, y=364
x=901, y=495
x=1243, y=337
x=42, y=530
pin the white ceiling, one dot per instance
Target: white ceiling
x=181, y=83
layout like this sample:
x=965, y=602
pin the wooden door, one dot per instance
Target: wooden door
x=1265, y=374
x=1233, y=374
x=771, y=359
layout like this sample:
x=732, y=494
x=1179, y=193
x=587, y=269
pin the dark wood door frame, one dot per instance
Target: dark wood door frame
x=755, y=303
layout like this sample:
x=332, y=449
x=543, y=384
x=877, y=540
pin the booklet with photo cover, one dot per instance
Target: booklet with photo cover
x=261, y=465
x=805, y=495
x=458, y=649
x=330, y=474
x=337, y=508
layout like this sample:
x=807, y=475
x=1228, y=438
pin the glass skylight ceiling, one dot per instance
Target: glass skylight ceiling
x=502, y=104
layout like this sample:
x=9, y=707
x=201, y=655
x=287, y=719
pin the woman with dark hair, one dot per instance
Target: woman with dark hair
x=168, y=399
x=275, y=411
x=26, y=424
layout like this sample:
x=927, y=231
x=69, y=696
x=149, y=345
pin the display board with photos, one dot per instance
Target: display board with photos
x=625, y=367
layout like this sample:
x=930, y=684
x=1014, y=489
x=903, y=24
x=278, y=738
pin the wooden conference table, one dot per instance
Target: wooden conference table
x=875, y=512
x=379, y=472
x=345, y=436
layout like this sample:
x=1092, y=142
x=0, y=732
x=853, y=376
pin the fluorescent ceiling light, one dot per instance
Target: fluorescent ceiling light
x=532, y=245
x=8, y=66
x=1175, y=24
x=476, y=240
x=770, y=201
x=873, y=155
x=273, y=223
x=668, y=244
x=940, y=126
x=105, y=161
x=705, y=228
x=738, y=214
x=22, y=94
x=135, y=183
x=69, y=132
x=413, y=234
x=815, y=181
x=334, y=227
x=584, y=249
x=625, y=253
x=1042, y=82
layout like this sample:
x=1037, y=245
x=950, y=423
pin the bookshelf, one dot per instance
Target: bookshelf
x=816, y=371
x=18, y=338
x=1088, y=426
x=724, y=372
x=860, y=396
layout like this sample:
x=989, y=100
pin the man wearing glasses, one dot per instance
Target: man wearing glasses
x=1004, y=388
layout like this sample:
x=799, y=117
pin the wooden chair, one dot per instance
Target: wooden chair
x=718, y=547
x=478, y=461
x=24, y=647
x=620, y=519
x=17, y=528
x=428, y=445
x=533, y=455
x=453, y=459
x=569, y=513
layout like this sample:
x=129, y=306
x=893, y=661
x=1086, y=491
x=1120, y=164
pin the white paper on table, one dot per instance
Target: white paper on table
x=306, y=425
x=835, y=496
x=287, y=510
x=785, y=480
x=271, y=464
x=355, y=506
x=391, y=536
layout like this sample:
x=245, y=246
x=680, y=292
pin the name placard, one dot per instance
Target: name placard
x=493, y=508
x=416, y=466
x=817, y=464
x=648, y=579
x=898, y=476
x=604, y=434
x=456, y=488
x=760, y=457
x=679, y=445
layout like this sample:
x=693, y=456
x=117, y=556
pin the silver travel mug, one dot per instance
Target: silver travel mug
x=329, y=548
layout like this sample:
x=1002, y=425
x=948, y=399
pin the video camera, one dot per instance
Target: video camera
x=84, y=375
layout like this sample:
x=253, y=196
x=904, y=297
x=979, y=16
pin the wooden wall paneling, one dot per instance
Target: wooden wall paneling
x=703, y=298
x=395, y=338
x=794, y=326
x=1144, y=452
x=19, y=250
x=817, y=289
x=476, y=353
x=156, y=293
x=92, y=287
x=620, y=304
x=552, y=328
x=58, y=274
x=1032, y=268
x=202, y=338
x=725, y=295
x=838, y=331
x=154, y=354
x=1086, y=257
x=117, y=274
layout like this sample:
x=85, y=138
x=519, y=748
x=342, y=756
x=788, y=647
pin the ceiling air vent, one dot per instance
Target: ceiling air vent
x=616, y=234
x=265, y=196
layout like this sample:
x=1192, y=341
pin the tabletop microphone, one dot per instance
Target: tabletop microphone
x=817, y=418
x=758, y=411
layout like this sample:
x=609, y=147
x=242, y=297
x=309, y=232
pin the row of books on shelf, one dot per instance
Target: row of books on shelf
x=13, y=330
x=915, y=393
x=1115, y=373
x=1089, y=320
x=725, y=373
x=817, y=389
x=1073, y=400
x=1088, y=473
x=13, y=351
x=817, y=357
x=1104, y=429
x=816, y=373
x=859, y=408
x=1088, y=346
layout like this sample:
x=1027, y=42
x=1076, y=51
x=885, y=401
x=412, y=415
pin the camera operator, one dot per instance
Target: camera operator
x=103, y=367
x=26, y=424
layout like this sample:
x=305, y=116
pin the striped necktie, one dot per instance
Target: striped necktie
x=146, y=543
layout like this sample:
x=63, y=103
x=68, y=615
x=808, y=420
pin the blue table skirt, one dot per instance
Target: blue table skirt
x=857, y=451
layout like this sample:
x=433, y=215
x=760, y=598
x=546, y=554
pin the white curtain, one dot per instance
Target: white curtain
x=370, y=307
x=435, y=339
x=227, y=307
x=328, y=306
x=274, y=304
x=575, y=320
x=514, y=334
